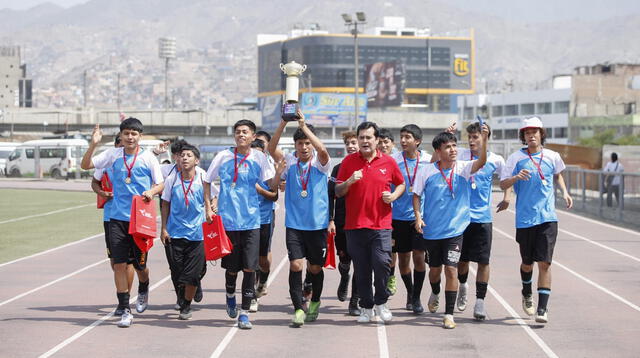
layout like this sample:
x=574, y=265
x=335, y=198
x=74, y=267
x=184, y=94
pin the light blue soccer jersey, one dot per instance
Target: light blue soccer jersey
x=403, y=206
x=239, y=204
x=145, y=173
x=185, y=221
x=266, y=206
x=445, y=215
x=310, y=212
x=535, y=201
x=480, y=197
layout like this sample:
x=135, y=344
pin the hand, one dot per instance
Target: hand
x=387, y=197
x=107, y=195
x=283, y=185
x=165, y=238
x=96, y=136
x=147, y=196
x=485, y=131
x=209, y=216
x=301, y=122
x=357, y=175
x=332, y=227
x=214, y=206
x=281, y=166
x=418, y=225
x=524, y=174
x=161, y=148
x=567, y=198
x=451, y=129
x=503, y=205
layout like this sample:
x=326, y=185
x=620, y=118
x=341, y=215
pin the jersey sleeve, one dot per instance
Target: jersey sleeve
x=154, y=166
x=396, y=174
x=500, y=164
x=323, y=168
x=214, y=167
x=420, y=179
x=558, y=164
x=267, y=171
x=509, y=167
x=98, y=173
x=464, y=168
x=345, y=171
x=166, y=192
x=106, y=158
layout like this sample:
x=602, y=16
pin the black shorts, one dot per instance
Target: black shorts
x=476, y=243
x=266, y=231
x=311, y=244
x=123, y=248
x=244, y=255
x=405, y=237
x=341, y=242
x=106, y=237
x=188, y=260
x=537, y=242
x=443, y=252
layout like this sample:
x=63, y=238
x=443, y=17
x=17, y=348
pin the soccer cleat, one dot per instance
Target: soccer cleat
x=434, y=303
x=541, y=315
x=185, y=313
x=383, y=312
x=416, y=306
x=462, y=297
x=119, y=311
x=312, y=313
x=366, y=315
x=243, y=321
x=198, y=296
x=527, y=304
x=353, y=307
x=126, y=319
x=232, y=310
x=254, y=305
x=448, y=322
x=299, y=317
x=261, y=290
x=392, y=288
x=478, y=310
x=143, y=302
x=343, y=287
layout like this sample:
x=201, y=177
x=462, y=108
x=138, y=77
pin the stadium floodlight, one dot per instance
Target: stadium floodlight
x=360, y=16
x=166, y=51
x=349, y=22
x=347, y=18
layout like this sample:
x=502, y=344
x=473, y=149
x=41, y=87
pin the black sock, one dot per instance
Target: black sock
x=393, y=271
x=295, y=289
x=264, y=277
x=248, y=289
x=450, y=301
x=343, y=268
x=307, y=279
x=123, y=299
x=408, y=284
x=435, y=287
x=462, y=277
x=481, y=289
x=185, y=304
x=418, y=281
x=143, y=286
x=318, y=283
x=526, y=282
x=230, y=282
x=543, y=297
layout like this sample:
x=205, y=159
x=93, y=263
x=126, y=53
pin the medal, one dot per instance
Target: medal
x=304, y=175
x=304, y=193
x=450, y=180
x=127, y=180
x=233, y=184
x=415, y=170
x=411, y=189
x=544, y=181
x=538, y=165
x=236, y=165
x=473, y=186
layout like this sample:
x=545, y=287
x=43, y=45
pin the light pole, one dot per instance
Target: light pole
x=349, y=22
x=166, y=51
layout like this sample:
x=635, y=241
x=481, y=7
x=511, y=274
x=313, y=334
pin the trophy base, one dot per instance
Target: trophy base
x=289, y=112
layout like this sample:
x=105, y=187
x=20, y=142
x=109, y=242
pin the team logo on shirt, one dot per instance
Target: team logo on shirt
x=212, y=235
x=146, y=214
x=383, y=171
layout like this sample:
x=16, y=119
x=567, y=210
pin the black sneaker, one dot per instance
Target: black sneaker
x=343, y=287
x=198, y=296
x=409, y=305
x=417, y=306
x=354, y=310
x=185, y=313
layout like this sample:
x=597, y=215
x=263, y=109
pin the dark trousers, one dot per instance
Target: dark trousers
x=613, y=190
x=371, y=252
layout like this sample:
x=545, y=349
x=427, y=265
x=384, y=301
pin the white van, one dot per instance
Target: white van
x=6, y=148
x=149, y=144
x=59, y=158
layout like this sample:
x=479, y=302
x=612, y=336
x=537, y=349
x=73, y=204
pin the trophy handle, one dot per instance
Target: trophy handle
x=282, y=67
x=304, y=68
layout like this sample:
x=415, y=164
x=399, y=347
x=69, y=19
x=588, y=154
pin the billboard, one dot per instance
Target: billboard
x=271, y=109
x=384, y=84
x=332, y=109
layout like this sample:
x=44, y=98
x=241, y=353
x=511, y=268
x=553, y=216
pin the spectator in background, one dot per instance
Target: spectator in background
x=612, y=182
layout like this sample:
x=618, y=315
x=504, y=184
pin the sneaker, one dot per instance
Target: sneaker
x=177, y=306
x=126, y=319
x=478, y=310
x=366, y=315
x=409, y=305
x=254, y=306
x=243, y=321
x=383, y=312
x=527, y=305
x=312, y=313
x=232, y=310
x=354, y=310
x=198, y=296
x=541, y=315
x=448, y=322
x=261, y=290
x=299, y=317
x=462, y=297
x=343, y=287
x=119, y=311
x=391, y=286
x=185, y=313
x=434, y=303
x=416, y=306
x=143, y=302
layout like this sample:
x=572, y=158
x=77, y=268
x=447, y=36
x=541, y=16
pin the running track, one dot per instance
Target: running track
x=58, y=304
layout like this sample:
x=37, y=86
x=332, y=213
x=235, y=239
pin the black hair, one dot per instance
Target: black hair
x=192, y=148
x=414, y=130
x=475, y=128
x=385, y=133
x=366, y=125
x=176, y=147
x=264, y=134
x=299, y=134
x=117, y=139
x=443, y=138
x=614, y=157
x=131, y=123
x=543, y=135
x=245, y=122
x=258, y=143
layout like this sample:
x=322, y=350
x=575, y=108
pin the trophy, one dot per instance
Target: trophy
x=290, y=106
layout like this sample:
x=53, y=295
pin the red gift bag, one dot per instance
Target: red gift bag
x=216, y=242
x=105, y=183
x=142, y=224
x=330, y=262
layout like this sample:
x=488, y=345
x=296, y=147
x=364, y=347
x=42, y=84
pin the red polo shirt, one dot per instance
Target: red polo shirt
x=364, y=205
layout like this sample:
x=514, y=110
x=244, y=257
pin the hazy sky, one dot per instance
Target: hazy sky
x=514, y=10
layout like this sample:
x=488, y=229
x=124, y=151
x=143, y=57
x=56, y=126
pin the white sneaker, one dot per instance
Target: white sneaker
x=126, y=319
x=462, y=296
x=527, y=305
x=478, y=311
x=434, y=303
x=383, y=312
x=448, y=322
x=254, y=305
x=366, y=315
x=541, y=316
x=143, y=301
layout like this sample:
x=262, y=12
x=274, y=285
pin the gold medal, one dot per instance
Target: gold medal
x=233, y=185
x=544, y=181
x=473, y=186
x=127, y=180
x=304, y=193
x=411, y=189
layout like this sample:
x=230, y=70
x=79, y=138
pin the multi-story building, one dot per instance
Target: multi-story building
x=15, y=89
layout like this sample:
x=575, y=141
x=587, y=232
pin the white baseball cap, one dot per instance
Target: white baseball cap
x=531, y=122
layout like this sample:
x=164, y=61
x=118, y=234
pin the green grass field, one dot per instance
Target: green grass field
x=29, y=236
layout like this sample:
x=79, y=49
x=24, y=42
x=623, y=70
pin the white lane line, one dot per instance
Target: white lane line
x=82, y=332
x=383, y=347
x=234, y=329
x=536, y=338
x=53, y=282
x=53, y=249
x=601, y=288
x=45, y=214
x=600, y=245
x=599, y=223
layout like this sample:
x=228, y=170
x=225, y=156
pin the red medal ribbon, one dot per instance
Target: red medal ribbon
x=303, y=173
x=450, y=181
x=415, y=170
x=537, y=165
x=235, y=163
x=188, y=189
x=124, y=158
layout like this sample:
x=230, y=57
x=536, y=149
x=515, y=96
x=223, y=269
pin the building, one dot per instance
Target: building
x=15, y=88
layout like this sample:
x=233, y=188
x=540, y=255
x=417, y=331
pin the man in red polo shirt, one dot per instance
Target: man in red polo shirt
x=365, y=180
